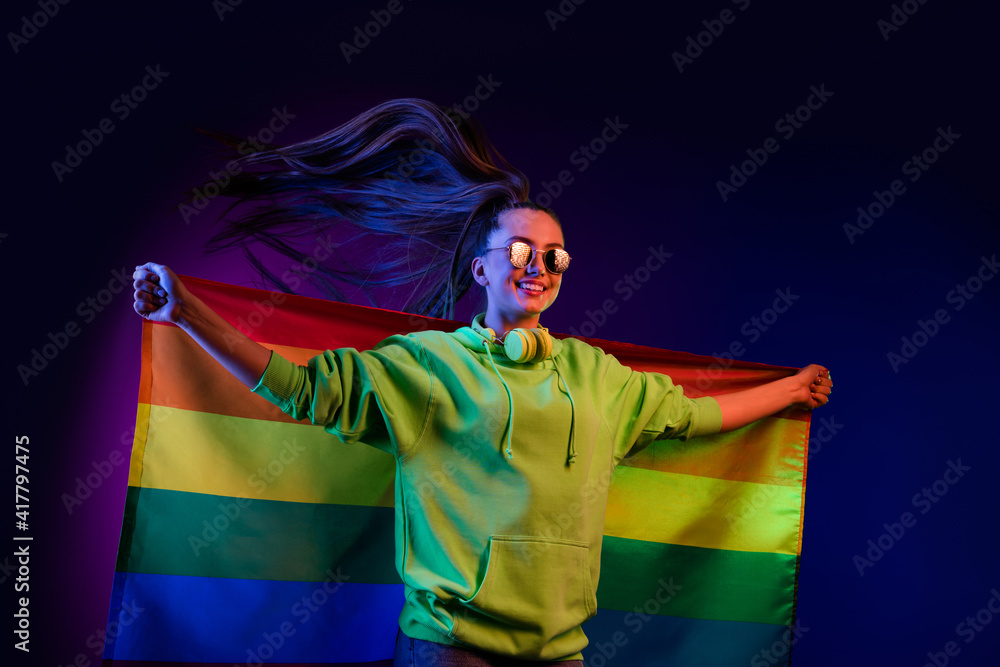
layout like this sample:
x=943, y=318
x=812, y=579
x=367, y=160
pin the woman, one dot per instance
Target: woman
x=523, y=425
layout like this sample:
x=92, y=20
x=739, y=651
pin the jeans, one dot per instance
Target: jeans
x=419, y=653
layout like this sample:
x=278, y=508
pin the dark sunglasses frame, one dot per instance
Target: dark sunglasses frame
x=549, y=257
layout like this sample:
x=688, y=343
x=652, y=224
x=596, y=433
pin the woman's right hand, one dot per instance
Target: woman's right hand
x=159, y=293
x=160, y=296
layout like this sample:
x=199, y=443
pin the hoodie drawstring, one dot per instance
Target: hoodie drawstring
x=510, y=399
x=571, y=456
x=571, y=453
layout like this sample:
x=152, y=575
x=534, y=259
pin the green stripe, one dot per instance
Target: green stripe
x=200, y=535
x=128, y=529
x=193, y=534
x=695, y=582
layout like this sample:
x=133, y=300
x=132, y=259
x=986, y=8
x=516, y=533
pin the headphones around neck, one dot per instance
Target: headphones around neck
x=524, y=346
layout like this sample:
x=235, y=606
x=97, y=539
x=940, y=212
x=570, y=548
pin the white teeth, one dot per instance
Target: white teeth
x=529, y=286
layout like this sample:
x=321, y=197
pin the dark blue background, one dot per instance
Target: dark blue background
x=654, y=185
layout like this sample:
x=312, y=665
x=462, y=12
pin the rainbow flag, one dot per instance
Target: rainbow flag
x=251, y=538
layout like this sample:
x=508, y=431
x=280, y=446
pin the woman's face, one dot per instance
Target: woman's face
x=511, y=300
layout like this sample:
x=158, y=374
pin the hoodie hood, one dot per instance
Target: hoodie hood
x=477, y=339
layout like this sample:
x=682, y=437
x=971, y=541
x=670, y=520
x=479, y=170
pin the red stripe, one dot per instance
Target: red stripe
x=305, y=322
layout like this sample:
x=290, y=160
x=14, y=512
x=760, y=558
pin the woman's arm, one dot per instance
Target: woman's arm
x=160, y=296
x=807, y=389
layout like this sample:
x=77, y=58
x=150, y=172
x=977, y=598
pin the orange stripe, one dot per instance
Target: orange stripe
x=138, y=457
x=745, y=455
x=145, y=374
x=768, y=452
x=202, y=384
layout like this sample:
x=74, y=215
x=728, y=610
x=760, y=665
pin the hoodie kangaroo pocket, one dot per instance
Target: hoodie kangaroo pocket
x=535, y=593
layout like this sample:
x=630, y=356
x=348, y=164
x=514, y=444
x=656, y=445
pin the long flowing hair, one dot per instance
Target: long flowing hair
x=417, y=191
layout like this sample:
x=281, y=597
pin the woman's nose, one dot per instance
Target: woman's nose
x=537, y=262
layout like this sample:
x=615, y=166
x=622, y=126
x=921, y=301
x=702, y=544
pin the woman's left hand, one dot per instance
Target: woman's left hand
x=814, y=387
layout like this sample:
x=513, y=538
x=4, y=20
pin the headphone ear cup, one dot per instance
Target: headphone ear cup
x=531, y=350
x=528, y=345
x=519, y=346
x=544, y=346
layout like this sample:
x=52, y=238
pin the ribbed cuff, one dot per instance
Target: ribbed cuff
x=277, y=384
x=709, y=418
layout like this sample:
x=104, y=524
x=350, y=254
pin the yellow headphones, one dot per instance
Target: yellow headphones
x=524, y=346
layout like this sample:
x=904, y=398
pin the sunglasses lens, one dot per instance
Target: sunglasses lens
x=557, y=260
x=520, y=254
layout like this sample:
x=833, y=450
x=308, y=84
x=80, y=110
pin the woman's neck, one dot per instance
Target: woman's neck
x=501, y=325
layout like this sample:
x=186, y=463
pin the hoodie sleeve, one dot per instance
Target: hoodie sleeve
x=644, y=406
x=379, y=397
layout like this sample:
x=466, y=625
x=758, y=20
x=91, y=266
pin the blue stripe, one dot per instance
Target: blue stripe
x=241, y=621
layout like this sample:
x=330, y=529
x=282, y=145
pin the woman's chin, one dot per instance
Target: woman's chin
x=536, y=307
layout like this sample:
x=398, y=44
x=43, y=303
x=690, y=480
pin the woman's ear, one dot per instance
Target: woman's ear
x=479, y=271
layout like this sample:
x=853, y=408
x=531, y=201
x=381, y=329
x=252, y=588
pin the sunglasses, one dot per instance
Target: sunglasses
x=521, y=254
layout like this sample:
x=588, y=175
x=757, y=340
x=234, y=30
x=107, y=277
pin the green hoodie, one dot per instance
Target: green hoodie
x=502, y=472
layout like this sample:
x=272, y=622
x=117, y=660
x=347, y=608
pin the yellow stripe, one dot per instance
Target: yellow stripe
x=250, y=458
x=735, y=516
x=186, y=451
x=138, y=445
x=768, y=451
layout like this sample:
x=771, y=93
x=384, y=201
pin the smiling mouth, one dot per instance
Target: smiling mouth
x=533, y=290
